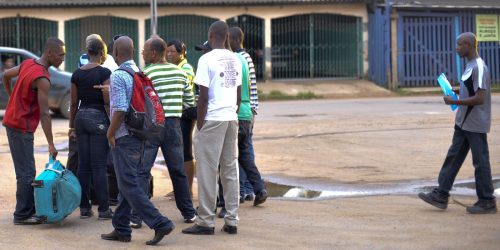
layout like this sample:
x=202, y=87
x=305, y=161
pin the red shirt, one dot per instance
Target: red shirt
x=23, y=112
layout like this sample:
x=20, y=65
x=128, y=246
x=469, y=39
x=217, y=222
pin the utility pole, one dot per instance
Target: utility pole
x=154, y=15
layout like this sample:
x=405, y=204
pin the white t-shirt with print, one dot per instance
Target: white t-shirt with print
x=220, y=71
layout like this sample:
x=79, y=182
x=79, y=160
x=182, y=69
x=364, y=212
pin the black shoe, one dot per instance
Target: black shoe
x=222, y=213
x=198, y=230
x=230, y=229
x=116, y=237
x=188, y=221
x=435, y=199
x=483, y=207
x=85, y=214
x=33, y=220
x=135, y=225
x=159, y=234
x=107, y=215
x=250, y=197
x=260, y=197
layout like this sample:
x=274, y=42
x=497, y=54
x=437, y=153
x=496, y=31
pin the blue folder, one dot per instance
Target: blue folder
x=447, y=90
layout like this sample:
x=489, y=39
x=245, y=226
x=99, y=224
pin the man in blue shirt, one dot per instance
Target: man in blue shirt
x=127, y=150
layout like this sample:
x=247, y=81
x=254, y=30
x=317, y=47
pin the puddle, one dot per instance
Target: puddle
x=280, y=188
x=283, y=191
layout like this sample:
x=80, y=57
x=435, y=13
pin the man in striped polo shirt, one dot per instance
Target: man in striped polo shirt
x=172, y=86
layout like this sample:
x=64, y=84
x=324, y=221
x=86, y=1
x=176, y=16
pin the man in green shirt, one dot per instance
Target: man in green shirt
x=246, y=156
x=175, y=93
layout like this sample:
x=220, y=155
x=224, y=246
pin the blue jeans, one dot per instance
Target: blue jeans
x=172, y=148
x=250, y=179
x=245, y=185
x=127, y=158
x=246, y=157
x=21, y=149
x=91, y=126
x=461, y=143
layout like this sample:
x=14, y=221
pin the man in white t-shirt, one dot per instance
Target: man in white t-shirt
x=215, y=142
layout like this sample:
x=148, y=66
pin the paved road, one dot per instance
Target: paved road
x=360, y=141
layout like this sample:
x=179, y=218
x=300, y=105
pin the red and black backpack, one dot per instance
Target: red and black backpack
x=145, y=117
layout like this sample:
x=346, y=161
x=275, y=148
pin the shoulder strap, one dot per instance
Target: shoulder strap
x=128, y=70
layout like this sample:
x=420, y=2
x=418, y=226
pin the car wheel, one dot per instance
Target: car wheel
x=65, y=104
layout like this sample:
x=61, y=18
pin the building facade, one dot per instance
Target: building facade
x=287, y=39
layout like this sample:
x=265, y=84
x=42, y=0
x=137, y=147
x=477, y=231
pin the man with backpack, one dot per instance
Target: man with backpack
x=128, y=149
x=175, y=93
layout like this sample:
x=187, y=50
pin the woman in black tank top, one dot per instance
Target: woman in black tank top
x=89, y=122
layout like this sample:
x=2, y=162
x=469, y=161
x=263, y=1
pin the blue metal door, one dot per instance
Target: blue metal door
x=426, y=45
x=377, y=48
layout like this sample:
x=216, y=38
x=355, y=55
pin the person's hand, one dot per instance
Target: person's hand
x=111, y=139
x=448, y=99
x=71, y=133
x=199, y=124
x=103, y=88
x=53, y=151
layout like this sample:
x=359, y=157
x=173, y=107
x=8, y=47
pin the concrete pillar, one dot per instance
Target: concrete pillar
x=393, y=84
x=267, y=50
x=141, y=33
x=60, y=35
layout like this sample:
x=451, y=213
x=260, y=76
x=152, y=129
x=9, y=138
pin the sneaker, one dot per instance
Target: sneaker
x=135, y=225
x=115, y=236
x=260, y=197
x=483, y=207
x=198, y=230
x=107, y=215
x=230, y=229
x=222, y=213
x=191, y=220
x=250, y=197
x=32, y=220
x=435, y=198
x=85, y=214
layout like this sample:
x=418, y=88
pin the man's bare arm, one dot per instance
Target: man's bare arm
x=116, y=121
x=43, y=86
x=202, y=107
x=476, y=99
x=7, y=78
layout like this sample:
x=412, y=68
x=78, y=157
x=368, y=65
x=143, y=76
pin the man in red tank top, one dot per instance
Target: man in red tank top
x=27, y=106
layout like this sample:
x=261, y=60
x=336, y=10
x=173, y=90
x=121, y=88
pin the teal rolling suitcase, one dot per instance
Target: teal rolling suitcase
x=57, y=192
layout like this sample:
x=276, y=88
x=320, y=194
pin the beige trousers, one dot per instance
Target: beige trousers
x=217, y=144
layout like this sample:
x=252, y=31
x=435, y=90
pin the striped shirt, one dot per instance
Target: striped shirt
x=172, y=86
x=188, y=69
x=254, y=96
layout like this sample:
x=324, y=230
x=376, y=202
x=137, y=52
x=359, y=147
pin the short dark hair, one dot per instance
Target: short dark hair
x=179, y=45
x=53, y=43
x=158, y=45
x=95, y=47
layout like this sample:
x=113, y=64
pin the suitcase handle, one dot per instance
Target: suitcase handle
x=54, y=198
x=37, y=183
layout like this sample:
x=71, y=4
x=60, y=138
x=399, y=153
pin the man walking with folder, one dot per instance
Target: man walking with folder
x=472, y=123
